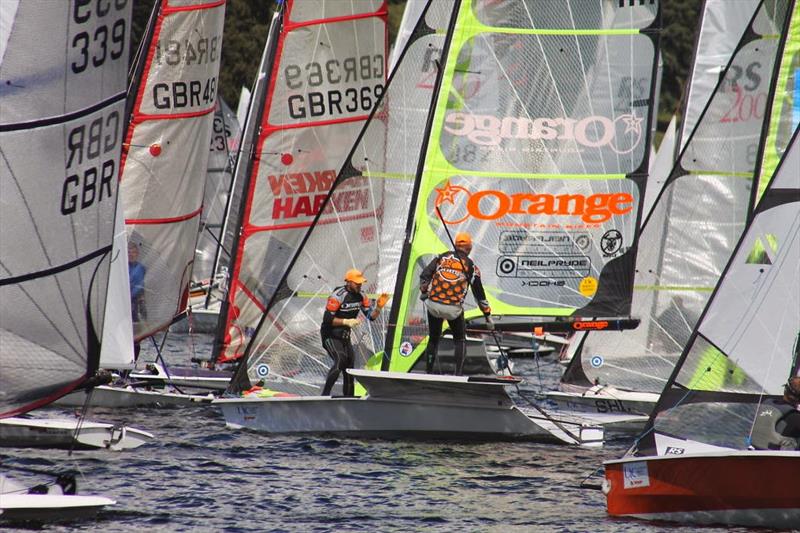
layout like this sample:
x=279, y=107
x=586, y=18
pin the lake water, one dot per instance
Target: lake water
x=201, y=476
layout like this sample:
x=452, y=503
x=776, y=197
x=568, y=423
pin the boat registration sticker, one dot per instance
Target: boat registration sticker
x=588, y=286
x=635, y=475
x=406, y=348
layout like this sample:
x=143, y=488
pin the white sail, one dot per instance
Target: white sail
x=743, y=349
x=695, y=223
x=327, y=72
x=117, y=346
x=722, y=24
x=166, y=153
x=62, y=105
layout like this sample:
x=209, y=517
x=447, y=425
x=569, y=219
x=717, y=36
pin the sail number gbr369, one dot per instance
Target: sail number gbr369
x=319, y=88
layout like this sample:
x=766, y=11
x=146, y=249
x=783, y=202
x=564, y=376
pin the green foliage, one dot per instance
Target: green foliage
x=680, y=20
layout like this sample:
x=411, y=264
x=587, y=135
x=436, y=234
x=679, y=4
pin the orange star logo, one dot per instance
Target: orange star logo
x=448, y=194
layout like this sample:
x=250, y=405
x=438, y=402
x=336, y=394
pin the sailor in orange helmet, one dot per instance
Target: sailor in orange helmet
x=341, y=314
x=443, y=283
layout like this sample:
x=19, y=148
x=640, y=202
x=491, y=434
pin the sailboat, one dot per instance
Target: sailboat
x=62, y=106
x=164, y=162
x=697, y=219
x=712, y=452
x=445, y=104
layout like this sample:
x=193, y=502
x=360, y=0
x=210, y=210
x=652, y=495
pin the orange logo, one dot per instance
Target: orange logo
x=492, y=204
x=451, y=269
x=580, y=326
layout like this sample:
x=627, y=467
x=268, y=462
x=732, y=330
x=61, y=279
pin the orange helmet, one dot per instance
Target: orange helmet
x=355, y=276
x=462, y=237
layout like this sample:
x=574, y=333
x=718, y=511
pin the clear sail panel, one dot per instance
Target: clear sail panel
x=693, y=228
x=286, y=351
x=328, y=74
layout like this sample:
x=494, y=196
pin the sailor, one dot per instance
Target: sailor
x=777, y=425
x=136, y=274
x=443, y=285
x=341, y=314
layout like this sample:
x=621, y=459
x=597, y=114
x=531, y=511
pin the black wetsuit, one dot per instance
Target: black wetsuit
x=336, y=339
x=445, y=281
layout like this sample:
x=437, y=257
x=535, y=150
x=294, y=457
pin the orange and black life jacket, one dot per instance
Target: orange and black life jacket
x=447, y=278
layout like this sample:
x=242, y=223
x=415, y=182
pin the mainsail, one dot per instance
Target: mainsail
x=539, y=149
x=721, y=29
x=166, y=152
x=62, y=104
x=286, y=353
x=744, y=347
x=689, y=236
x=328, y=70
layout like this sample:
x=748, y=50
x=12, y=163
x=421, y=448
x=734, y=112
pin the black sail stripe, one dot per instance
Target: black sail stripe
x=56, y=269
x=61, y=119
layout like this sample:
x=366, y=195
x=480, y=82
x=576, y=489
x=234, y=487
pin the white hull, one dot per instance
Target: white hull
x=604, y=401
x=408, y=406
x=16, y=505
x=49, y=507
x=60, y=433
x=117, y=397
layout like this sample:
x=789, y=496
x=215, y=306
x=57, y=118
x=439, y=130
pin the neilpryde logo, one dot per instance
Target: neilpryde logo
x=490, y=204
x=622, y=135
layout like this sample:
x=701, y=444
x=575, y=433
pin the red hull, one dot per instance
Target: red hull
x=744, y=488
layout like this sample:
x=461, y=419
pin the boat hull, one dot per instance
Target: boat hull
x=121, y=397
x=604, y=402
x=407, y=406
x=49, y=507
x=745, y=488
x=60, y=433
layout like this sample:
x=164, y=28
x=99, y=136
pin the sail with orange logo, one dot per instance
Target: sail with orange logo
x=539, y=148
x=544, y=167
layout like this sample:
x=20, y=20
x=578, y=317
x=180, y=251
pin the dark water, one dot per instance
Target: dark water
x=201, y=476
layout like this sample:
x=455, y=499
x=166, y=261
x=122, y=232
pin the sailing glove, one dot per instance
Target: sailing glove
x=489, y=323
x=350, y=322
x=382, y=299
